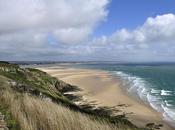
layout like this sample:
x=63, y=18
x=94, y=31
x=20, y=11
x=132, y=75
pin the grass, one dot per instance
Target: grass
x=9, y=119
x=4, y=108
x=26, y=108
x=33, y=113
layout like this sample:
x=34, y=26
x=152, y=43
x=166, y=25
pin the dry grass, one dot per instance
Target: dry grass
x=37, y=114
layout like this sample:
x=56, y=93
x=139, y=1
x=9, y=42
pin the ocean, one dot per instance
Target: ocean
x=152, y=83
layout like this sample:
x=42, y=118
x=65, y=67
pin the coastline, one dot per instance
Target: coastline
x=101, y=86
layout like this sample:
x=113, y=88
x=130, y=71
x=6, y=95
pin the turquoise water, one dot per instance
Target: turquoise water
x=154, y=84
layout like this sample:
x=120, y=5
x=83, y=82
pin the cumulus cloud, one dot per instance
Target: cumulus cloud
x=26, y=26
x=154, y=39
x=63, y=18
x=63, y=30
x=160, y=29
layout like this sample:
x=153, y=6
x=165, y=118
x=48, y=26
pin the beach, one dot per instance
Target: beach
x=106, y=90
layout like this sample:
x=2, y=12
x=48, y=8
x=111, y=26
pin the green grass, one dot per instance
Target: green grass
x=4, y=109
x=10, y=121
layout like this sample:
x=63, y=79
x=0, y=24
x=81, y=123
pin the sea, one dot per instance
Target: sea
x=153, y=83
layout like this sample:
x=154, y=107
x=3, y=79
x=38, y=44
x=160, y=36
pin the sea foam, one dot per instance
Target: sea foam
x=149, y=94
x=165, y=92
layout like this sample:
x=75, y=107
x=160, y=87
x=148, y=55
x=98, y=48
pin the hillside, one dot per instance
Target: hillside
x=33, y=100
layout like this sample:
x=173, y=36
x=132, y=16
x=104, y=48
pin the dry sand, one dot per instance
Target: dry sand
x=100, y=86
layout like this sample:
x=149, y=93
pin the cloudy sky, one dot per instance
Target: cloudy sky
x=85, y=30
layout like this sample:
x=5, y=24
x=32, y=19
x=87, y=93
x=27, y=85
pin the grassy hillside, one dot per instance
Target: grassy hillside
x=33, y=100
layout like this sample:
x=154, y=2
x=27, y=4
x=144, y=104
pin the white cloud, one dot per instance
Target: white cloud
x=51, y=29
x=72, y=35
x=27, y=25
x=154, y=30
x=62, y=17
x=155, y=35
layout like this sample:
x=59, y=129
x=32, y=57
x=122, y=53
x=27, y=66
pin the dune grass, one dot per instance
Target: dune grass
x=32, y=113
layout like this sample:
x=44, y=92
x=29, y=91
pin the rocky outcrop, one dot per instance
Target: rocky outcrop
x=64, y=87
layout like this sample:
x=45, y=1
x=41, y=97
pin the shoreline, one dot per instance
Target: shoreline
x=103, y=87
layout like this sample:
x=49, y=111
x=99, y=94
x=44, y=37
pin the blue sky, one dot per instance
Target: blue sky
x=132, y=13
x=84, y=30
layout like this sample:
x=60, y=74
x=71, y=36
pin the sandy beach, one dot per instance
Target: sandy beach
x=106, y=90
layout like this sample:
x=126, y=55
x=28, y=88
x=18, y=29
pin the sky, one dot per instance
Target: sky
x=87, y=30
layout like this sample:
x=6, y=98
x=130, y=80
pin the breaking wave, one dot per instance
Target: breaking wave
x=149, y=94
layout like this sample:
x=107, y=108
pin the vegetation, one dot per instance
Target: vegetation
x=33, y=100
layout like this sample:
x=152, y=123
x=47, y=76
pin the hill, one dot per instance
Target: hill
x=33, y=100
